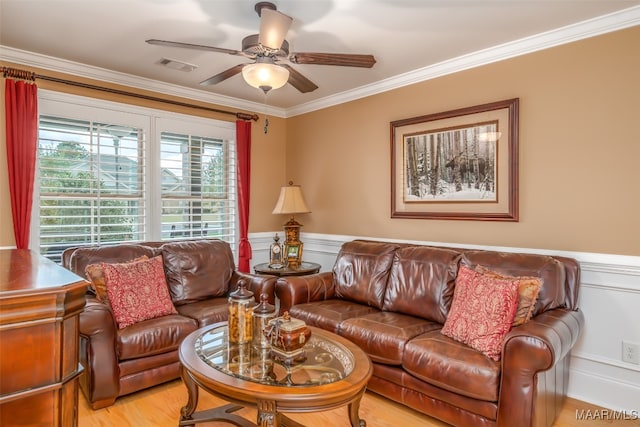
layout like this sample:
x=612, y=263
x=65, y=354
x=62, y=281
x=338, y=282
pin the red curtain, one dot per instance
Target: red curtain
x=243, y=142
x=21, y=104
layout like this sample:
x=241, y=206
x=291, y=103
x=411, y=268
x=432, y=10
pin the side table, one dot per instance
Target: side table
x=303, y=269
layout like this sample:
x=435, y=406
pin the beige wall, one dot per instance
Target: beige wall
x=267, y=152
x=579, y=151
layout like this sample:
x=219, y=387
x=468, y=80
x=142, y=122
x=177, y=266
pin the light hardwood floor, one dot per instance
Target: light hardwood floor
x=160, y=406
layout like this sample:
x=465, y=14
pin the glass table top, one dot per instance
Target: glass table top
x=323, y=360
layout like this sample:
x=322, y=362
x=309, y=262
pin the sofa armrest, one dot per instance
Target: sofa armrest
x=256, y=283
x=100, y=380
x=542, y=344
x=292, y=290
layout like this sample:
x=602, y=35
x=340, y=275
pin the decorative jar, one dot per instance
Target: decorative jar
x=241, y=304
x=262, y=314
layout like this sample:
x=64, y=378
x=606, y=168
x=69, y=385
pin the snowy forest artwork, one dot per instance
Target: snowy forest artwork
x=459, y=164
x=451, y=164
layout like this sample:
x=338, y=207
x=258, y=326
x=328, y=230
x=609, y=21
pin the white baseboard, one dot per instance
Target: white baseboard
x=609, y=298
x=605, y=382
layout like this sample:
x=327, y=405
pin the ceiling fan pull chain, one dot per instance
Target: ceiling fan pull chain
x=266, y=112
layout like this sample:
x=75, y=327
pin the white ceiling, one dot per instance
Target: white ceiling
x=410, y=39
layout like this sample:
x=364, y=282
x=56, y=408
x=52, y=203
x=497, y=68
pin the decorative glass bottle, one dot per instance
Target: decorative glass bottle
x=262, y=314
x=241, y=304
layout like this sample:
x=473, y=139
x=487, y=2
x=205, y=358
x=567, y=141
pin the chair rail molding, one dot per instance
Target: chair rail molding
x=609, y=298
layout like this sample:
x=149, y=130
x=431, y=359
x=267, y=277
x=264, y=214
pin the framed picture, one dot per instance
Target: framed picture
x=293, y=254
x=460, y=164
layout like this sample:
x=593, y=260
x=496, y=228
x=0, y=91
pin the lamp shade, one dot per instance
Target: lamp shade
x=265, y=75
x=273, y=28
x=291, y=201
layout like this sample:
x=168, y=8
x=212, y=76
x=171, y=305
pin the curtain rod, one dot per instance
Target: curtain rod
x=32, y=76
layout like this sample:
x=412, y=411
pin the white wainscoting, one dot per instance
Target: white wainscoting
x=609, y=298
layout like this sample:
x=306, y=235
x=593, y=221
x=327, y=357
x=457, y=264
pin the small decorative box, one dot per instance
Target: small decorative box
x=287, y=335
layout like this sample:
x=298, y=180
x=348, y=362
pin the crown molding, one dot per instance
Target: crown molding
x=625, y=18
x=102, y=74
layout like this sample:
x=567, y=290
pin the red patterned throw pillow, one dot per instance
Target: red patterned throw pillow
x=95, y=274
x=137, y=291
x=482, y=311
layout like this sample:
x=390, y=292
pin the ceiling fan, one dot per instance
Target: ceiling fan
x=270, y=52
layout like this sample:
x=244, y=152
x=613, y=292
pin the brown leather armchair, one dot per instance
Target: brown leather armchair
x=200, y=275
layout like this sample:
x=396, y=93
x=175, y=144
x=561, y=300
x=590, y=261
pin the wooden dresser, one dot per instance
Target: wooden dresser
x=39, y=306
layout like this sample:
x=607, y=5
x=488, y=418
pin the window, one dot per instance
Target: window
x=110, y=173
x=91, y=182
x=196, y=197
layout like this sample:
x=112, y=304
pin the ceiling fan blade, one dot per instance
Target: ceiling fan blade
x=193, y=46
x=340, y=59
x=223, y=75
x=299, y=81
x=273, y=28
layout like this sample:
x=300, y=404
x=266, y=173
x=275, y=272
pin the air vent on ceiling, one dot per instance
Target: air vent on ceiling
x=177, y=65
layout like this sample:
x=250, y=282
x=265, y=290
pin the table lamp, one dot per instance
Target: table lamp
x=291, y=201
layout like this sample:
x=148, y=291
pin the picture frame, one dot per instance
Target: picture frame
x=457, y=165
x=293, y=254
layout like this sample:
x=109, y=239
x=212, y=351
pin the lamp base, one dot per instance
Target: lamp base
x=292, y=230
x=292, y=244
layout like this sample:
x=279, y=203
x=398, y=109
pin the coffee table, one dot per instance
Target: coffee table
x=334, y=373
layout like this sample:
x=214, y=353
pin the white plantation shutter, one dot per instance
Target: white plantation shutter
x=198, y=187
x=91, y=183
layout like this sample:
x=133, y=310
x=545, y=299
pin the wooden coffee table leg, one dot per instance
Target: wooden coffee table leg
x=354, y=409
x=267, y=414
x=222, y=413
x=192, y=389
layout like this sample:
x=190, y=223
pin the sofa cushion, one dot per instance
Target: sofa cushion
x=137, y=291
x=154, y=336
x=330, y=313
x=482, y=311
x=451, y=365
x=422, y=281
x=207, y=312
x=550, y=270
x=197, y=270
x=361, y=271
x=383, y=335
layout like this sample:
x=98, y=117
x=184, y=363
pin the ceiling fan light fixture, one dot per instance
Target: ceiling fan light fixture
x=273, y=28
x=265, y=75
x=270, y=51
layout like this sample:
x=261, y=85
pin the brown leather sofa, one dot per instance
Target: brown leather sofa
x=393, y=299
x=200, y=274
